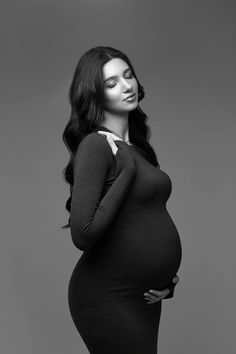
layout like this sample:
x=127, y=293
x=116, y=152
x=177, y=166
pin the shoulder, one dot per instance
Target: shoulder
x=96, y=145
x=94, y=140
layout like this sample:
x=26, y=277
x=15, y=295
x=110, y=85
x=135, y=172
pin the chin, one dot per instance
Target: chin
x=131, y=106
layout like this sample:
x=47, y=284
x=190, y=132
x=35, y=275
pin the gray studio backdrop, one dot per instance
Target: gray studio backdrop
x=184, y=55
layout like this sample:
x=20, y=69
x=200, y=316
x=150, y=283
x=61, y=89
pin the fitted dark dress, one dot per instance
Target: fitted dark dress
x=130, y=243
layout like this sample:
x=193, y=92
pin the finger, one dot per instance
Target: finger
x=153, y=297
x=151, y=294
x=110, y=141
x=155, y=292
x=102, y=132
x=105, y=133
x=112, y=144
x=113, y=136
x=149, y=300
x=160, y=294
x=149, y=297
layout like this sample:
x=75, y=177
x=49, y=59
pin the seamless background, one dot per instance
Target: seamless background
x=184, y=55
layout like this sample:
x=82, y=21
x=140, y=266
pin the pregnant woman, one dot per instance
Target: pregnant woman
x=118, y=216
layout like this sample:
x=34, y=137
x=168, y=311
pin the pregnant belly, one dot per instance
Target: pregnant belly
x=146, y=255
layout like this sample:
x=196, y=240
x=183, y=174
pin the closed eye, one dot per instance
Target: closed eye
x=130, y=76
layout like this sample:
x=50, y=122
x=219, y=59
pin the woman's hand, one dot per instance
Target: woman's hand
x=125, y=160
x=156, y=295
x=111, y=140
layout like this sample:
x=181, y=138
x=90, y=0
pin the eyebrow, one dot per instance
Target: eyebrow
x=113, y=77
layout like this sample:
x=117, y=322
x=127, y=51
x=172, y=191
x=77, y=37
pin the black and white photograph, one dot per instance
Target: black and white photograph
x=118, y=130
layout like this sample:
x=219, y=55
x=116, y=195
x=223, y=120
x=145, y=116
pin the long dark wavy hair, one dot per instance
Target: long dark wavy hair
x=86, y=96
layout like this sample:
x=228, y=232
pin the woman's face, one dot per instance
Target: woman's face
x=119, y=83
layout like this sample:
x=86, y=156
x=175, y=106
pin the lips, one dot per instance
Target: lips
x=132, y=95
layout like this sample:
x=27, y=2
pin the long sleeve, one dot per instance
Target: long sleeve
x=90, y=215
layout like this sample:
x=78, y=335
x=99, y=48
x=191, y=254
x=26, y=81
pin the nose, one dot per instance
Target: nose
x=126, y=85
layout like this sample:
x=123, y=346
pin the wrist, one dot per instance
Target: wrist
x=167, y=292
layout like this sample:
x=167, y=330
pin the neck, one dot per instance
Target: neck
x=118, y=124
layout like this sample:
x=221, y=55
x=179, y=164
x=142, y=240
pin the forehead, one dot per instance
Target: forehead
x=115, y=66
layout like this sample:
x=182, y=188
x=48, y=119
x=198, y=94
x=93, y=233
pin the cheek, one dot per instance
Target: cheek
x=135, y=85
x=112, y=97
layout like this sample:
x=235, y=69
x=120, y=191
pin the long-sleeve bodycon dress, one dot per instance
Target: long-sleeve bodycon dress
x=130, y=245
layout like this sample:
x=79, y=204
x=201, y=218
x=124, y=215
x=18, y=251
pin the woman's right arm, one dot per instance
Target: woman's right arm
x=90, y=215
